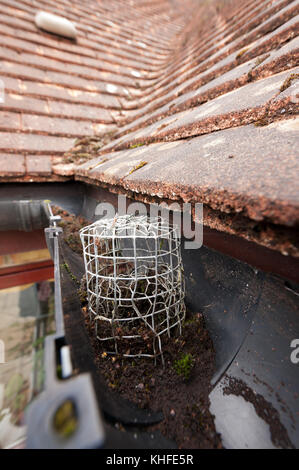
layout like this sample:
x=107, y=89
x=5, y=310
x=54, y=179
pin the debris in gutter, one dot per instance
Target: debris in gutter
x=133, y=321
x=183, y=399
x=55, y=24
x=87, y=148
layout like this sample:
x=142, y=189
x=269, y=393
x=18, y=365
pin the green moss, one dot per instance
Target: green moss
x=38, y=342
x=242, y=52
x=86, y=148
x=114, y=385
x=137, y=145
x=65, y=419
x=82, y=295
x=184, y=365
x=190, y=321
x=59, y=372
x=72, y=276
x=288, y=81
x=137, y=167
x=92, y=167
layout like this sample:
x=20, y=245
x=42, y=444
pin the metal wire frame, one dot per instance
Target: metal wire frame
x=135, y=283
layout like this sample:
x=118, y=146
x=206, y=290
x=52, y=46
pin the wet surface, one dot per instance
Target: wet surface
x=262, y=374
x=253, y=319
x=244, y=429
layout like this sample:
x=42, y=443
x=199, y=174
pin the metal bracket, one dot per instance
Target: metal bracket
x=79, y=389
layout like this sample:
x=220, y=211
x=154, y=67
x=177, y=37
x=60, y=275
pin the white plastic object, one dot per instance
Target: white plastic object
x=66, y=362
x=55, y=24
x=2, y=92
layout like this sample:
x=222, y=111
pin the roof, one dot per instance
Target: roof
x=57, y=89
x=176, y=100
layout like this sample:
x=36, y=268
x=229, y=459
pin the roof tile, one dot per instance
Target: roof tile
x=11, y=165
x=201, y=92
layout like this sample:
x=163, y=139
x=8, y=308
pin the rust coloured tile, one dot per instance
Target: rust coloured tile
x=222, y=170
x=11, y=165
x=41, y=165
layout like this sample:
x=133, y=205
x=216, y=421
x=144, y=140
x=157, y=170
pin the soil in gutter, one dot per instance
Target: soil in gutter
x=180, y=390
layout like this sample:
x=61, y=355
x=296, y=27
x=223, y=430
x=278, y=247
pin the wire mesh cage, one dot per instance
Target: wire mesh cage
x=135, y=283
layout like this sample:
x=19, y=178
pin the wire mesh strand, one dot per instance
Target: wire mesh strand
x=135, y=283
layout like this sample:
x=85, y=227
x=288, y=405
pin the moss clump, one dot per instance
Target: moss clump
x=82, y=294
x=260, y=60
x=68, y=270
x=261, y=123
x=137, y=145
x=242, y=52
x=288, y=82
x=184, y=366
x=190, y=321
x=65, y=419
x=87, y=148
x=137, y=167
x=71, y=225
x=92, y=167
